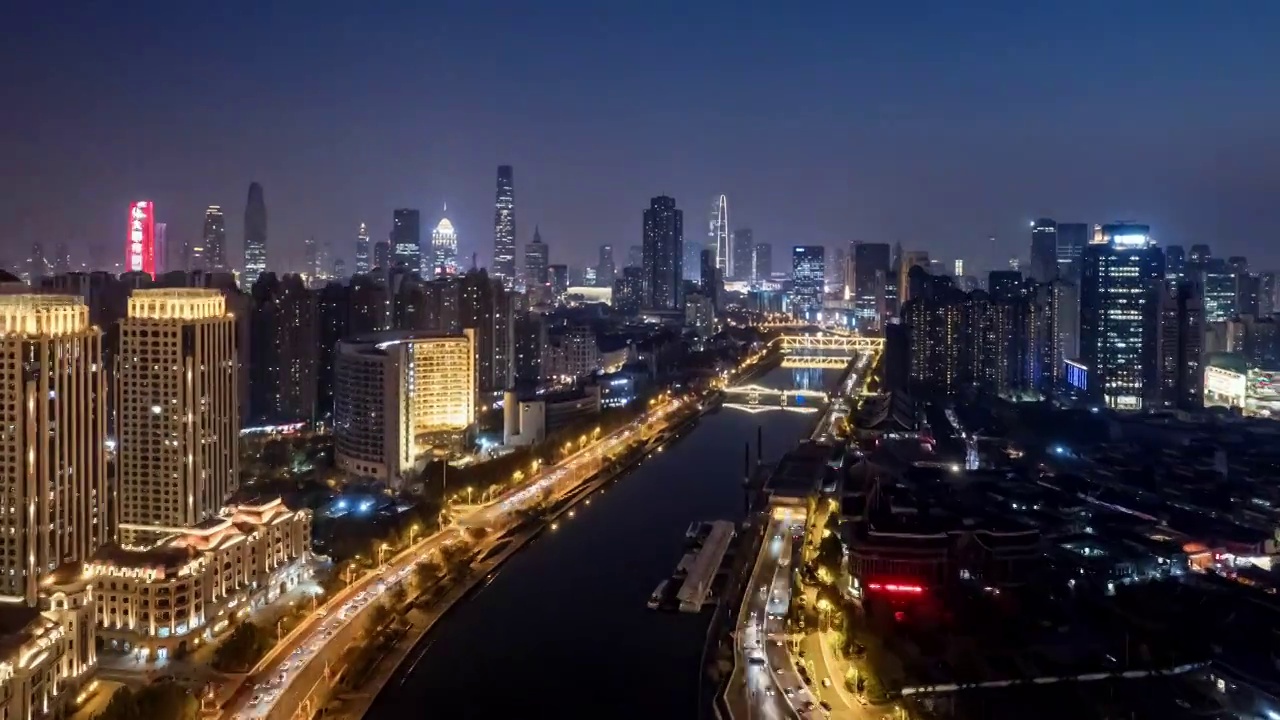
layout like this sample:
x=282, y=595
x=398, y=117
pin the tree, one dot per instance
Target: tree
x=246, y=644
x=166, y=700
x=378, y=618
x=397, y=596
x=425, y=574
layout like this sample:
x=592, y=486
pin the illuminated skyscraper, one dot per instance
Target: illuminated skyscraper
x=719, y=239
x=743, y=249
x=362, y=250
x=664, y=255
x=406, y=239
x=808, y=276
x=55, y=479
x=444, y=249
x=504, y=228
x=177, y=414
x=140, y=247
x=605, y=269
x=536, y=257
x=1044, y=250
x=382, y=255
x=1118, y=318
x=255, y=237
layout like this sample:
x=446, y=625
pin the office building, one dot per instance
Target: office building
x=871, y=269
x=536, y=257
x=1175, y=263
x=53, y=385
x=743, y=245
x=504, y=228
x=1072, y=239
x=1044, y=250
x=718, y=236
x=663, y=255
x=362, y=250
x=1219, y=282
x=1118, y=322
x=557, y=280
x=808, y=277
x=605, y=269
x=406, y=239
x=906, y=261
x=255, y=236
x=398, y=395
x=444, y=250
x=382, y=255
x=761, y=262
x=177, y=415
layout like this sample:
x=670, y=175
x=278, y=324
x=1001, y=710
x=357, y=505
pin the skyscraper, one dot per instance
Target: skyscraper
x=162, y=250
x=693, y=259
x=362, y=250
x=140, y=248
x=1175, y=262
x=663, y=255
x=37, y=266
x=504, y=228
x=55, y=479
x=406, y=239
x=382, y=255
x=444, y=250
x=743, y=248
x=906, y=261
x=283, y=367
x=718, y=236
x=871, y=262
x=177, y=415
x=1180, y=345
x=1072, y=237
x=808, y=278
x=605, y=269
x=255, y=237
x=310, y=258
x=761, y=262
x=1118, y=322
x=1044, y=250
x=536, y=257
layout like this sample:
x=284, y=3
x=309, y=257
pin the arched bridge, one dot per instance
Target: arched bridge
x=760, y=395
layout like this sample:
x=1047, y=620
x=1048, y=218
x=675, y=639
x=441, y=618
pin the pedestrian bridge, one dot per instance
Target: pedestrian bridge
x=829, y=344
x=760, y=395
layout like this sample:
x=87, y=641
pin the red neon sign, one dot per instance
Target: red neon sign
x=140, y=248
x=896, y=588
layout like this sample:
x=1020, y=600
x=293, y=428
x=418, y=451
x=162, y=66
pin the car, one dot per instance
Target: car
x=791, y=692
x=826, y=682
x=778, y=670
x=825, y=705
x=770, y=691
x=255, y=700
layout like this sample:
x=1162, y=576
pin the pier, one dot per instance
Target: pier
x=693, y=593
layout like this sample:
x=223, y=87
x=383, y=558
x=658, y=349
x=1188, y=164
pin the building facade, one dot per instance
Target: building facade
x=664, y=255
x=808, y=280
x=177, y=414
x=406, y=239
x=504, y=228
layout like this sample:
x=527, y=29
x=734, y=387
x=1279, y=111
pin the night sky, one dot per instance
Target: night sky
x=932, y=124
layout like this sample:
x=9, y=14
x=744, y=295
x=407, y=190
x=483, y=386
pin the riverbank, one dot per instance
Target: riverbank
x=390, y=665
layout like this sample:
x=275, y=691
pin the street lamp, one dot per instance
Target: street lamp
x=381, y=548
x=413, y=532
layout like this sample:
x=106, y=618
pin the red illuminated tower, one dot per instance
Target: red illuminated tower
x=140, y=249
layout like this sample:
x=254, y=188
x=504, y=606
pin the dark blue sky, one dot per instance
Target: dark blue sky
x=933, y=124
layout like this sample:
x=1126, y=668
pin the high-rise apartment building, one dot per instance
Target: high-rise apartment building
x=283, y=368
x=908, y=260
x=1180, y=345
x=605, y=269
x=692, y=259
x=743, y=249
x=255, y=236
x=635, y=256
x=362, y=250
x=406, y=239
x=1175, y=262
x=1057, y=304
x=1044, y=250
x=1118, y=319
x=504, y=228
x=177, y=420
x=53, y=385
x=398, y=395
x=871, y=269
x=664, y=254
x=808, y=279
x=444, y=250
x=484, y=309
x=719, y=238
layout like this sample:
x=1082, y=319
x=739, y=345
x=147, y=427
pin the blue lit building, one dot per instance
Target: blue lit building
x=808, y=278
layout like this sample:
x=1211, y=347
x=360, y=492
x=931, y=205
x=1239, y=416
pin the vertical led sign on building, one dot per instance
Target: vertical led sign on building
x=140, y=251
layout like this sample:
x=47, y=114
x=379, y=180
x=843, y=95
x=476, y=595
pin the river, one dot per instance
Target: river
x=562, y=631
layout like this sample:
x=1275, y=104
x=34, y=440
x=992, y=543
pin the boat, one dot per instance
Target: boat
x=659, y=594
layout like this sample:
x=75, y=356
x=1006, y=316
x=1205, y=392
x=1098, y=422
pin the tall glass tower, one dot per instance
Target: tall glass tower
x=255, y=236
x=504, y=228
x=362, y=250
x=663, y=255
x=718, y=236
x=406, y=248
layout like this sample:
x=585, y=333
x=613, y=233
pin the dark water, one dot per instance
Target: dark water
x=562, y=631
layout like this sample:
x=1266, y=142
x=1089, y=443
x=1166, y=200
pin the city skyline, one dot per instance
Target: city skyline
x=894, y=158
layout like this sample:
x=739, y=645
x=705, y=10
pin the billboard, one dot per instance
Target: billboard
x=1223, y=387
x=140, y=250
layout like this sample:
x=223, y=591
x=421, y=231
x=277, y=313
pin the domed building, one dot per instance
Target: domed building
x=444, y=248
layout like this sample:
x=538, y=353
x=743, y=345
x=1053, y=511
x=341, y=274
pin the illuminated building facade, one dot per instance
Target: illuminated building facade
x=214, y=235
x=536, y=257
x=53, y=387
x=444, y=250
x=808, y=279
x=397, y=395
x=47, y=651
x=362, y=250
x=504, y=228
x=155, y=602
x=177, y=414
x=1044, y=250
x=1118, y=319
x=140, y=249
